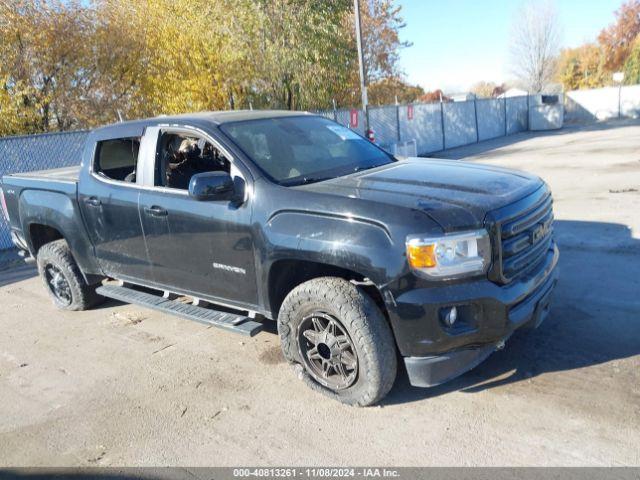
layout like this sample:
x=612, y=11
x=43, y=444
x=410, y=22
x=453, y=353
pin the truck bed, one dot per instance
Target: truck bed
x=62, y=180
x=65, y=174
x=40, y=194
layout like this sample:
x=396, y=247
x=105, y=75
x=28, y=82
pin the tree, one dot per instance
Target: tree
x=164, y=62
x=297, y=54
x=45, y=69
x=487, y=89
x=582, y=67
x=617, y=39
x=387, y=90
x=435, y=96
x=632, y=64
x=70, y=64
x=535, y=42
x=381, y=25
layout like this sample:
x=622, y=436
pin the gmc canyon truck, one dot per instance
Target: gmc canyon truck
x=236, y=218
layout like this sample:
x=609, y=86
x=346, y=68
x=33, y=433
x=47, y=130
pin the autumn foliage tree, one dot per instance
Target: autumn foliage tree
x=389, y=90
x=581, y=67
x=69, y=64
x=45, y=71
x=592, y=65
x=617, y=39
x=435, y=96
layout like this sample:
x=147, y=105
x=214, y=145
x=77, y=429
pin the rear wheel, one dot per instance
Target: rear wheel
x=339, y=340
x=62, y=278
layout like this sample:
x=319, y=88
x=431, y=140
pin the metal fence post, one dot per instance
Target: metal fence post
x=398, y=122
x=442, y=124
x=475, y=114
x=505, y=115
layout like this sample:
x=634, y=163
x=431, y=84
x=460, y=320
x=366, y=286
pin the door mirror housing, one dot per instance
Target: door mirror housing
x=211, y=186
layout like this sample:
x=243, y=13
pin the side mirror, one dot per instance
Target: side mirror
x=211, y=186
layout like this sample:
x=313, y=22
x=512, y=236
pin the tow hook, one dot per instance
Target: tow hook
x=500, y=345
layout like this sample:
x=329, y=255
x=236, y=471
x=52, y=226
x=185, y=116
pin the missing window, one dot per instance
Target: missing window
x=181, y=156
x=117, y=159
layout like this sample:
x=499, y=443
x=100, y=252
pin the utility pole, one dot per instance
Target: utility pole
x=363, y=81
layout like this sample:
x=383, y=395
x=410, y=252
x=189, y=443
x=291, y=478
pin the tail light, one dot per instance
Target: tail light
x=5, y=210
x=371, y=136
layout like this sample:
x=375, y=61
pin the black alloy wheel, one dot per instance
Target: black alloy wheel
x=327, y=350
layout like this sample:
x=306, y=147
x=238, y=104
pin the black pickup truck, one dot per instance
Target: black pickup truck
x=237, y=218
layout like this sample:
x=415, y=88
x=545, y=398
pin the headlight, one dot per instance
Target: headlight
x=449, y=256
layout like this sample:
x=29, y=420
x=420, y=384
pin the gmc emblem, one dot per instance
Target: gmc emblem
x=538, y=232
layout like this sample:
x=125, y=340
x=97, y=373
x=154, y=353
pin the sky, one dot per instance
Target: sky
x=459, y=42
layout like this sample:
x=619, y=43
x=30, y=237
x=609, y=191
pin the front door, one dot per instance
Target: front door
x=204, y=248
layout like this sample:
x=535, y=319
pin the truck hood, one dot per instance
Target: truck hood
x=456, y=194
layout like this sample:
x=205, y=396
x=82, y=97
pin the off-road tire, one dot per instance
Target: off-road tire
x=58, y=255
x=365, y=324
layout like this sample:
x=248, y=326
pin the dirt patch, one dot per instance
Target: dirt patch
x=128, y=318
x=272, y=356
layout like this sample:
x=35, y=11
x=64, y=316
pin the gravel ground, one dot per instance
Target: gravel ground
x=122, y=385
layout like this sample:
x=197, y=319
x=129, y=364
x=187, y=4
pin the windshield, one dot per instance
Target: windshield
x=305, y=149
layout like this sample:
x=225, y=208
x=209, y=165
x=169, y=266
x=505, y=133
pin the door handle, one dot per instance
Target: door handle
x=155, y=210
x=93, y=201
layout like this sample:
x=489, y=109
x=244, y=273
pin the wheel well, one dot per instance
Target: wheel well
x=41, y=235
x=285, y=275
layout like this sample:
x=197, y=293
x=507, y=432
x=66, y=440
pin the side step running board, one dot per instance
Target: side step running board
x=229, y=321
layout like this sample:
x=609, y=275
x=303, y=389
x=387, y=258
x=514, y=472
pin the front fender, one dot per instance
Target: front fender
x=359, y=245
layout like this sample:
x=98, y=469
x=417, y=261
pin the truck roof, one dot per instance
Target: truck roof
x=214, y=117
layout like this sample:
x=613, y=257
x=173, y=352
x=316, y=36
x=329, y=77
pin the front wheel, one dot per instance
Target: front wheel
x=339, y=339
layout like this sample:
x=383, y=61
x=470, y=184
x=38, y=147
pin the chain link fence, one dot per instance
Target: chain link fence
x=426, y=128
x=37, y=152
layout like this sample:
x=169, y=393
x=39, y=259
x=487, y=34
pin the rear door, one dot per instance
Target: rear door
x=200, y=247
x=108, y=197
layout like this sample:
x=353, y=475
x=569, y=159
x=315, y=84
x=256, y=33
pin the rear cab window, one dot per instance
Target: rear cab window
x=117, y=159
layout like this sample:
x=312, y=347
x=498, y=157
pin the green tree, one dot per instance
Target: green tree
x=632, y=65
x=296, y=54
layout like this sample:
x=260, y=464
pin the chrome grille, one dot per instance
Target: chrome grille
x=523, y=239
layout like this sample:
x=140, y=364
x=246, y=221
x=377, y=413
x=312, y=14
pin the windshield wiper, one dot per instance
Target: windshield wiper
x=359, y=168
x=306, y=180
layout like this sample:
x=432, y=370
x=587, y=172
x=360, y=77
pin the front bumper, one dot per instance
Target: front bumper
x=434, y=353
